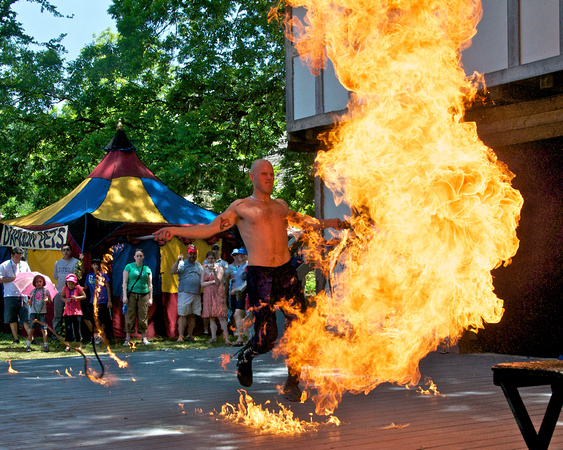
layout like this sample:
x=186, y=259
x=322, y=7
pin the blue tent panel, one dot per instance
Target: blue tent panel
x=86, y=201
x=174, y=208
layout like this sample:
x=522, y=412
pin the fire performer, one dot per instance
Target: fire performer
x=262, y=222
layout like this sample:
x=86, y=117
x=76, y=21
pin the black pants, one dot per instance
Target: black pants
x=268, y=286
x=73, y=328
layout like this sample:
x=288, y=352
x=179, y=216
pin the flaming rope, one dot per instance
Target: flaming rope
x=88, y=371
x=433, y=210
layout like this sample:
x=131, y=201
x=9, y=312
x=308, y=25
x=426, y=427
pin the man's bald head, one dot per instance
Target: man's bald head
x=262, y=177
x=258, y=164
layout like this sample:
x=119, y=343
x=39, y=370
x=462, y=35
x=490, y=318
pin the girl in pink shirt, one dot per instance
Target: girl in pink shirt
x=71, y=296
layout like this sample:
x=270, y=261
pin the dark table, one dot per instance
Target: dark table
x=511, y=376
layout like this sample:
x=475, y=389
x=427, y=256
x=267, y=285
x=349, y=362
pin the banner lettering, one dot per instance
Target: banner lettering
x=50, y=239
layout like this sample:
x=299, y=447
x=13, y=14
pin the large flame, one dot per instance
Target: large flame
x=433, y=210
x=255, y=416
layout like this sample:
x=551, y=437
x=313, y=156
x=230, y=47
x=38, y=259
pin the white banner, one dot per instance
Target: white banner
x=49, y=239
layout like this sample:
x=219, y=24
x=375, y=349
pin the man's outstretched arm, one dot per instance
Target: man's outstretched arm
x=221, y=223
x=307, y=222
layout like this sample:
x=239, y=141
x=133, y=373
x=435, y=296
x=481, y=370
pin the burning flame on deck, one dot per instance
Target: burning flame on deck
x=433, y=210
x=10, y=370
x=248, y=413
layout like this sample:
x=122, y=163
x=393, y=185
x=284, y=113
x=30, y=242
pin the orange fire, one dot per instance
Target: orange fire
x=432, y=389
x=104, y=266
x=248, y=413
x=225, y=360
x=10, y=370
x=432, y=209
x=106, y=261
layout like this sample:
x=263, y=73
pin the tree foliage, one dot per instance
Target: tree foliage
x=199, y=86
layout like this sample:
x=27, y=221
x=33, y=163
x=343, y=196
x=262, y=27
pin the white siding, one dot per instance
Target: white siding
x=539, y=30
x=489, y=48
x=303, y=90
x=335, y=96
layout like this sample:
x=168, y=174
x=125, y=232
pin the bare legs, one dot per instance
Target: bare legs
x=213, y=328
x=239, y=323
x=191, y=325
x=182, y=326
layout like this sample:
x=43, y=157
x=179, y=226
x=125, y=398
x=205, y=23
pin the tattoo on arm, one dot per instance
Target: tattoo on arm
x=225, y=223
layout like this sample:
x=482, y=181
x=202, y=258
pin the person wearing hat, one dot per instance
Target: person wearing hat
x=14, y=309
x=67, y=264
x=189, y=291
x=71, y=296
x=237, y=292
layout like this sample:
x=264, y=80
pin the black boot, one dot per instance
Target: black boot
x=244, y=365
x=291, y=389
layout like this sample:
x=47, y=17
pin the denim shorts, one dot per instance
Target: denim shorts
x=14, y=310
x=41, y=318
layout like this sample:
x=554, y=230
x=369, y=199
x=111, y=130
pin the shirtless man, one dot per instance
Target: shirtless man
x=262, y=222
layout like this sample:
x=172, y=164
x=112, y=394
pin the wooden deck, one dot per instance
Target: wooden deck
x=142, y=409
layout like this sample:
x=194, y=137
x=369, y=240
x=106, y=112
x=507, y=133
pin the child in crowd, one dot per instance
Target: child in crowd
x=99, y=287
x=37, y=302
x=71, y=296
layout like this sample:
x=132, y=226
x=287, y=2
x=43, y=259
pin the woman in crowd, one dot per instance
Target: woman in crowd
x=137, y=295
x=214, y=304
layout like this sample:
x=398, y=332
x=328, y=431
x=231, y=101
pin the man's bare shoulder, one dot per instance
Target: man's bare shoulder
x=239, y=203
x=281, y=202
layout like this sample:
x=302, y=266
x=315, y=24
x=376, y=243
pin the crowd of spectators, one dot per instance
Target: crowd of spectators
x=212, y=294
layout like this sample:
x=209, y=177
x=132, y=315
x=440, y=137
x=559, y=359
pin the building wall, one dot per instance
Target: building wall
x=519, y=47
x=532, y=285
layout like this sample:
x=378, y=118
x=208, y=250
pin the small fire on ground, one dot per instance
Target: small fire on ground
x=264, y=420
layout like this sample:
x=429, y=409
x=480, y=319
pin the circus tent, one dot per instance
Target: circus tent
x=118, y=206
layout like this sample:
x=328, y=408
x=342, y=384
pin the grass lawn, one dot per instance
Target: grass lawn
x=9, y=351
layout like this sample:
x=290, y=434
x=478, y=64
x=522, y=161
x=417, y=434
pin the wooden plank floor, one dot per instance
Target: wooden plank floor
x=142, y=408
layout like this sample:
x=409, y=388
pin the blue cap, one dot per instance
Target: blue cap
x=242, y=251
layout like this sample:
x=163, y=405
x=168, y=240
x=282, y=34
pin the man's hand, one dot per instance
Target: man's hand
x=337, y=224
x=164, y=234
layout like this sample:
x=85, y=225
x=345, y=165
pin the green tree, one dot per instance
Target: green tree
x=199, y=86
x=31, y=84
x=227, y=102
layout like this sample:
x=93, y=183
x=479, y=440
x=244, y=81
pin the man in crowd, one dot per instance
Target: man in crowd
x=262, y=222
x=189, y=291
x=13, y=307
